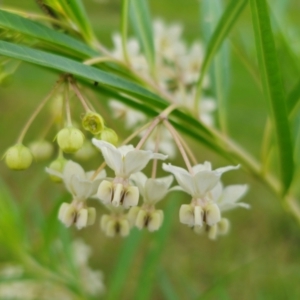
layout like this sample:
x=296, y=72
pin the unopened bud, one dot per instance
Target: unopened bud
x=87, y=151
x=18, y=157
x=93, y=122
x=57, y=165
x=41, y=150
x=70, y=139
x=109, y=135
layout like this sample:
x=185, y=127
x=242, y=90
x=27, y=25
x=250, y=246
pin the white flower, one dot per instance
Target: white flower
x=130, y=116
x=79, y=183
x=82, y=186
x=202, y=181
x=125, y=161
x=152, y=191
x=203, y=209
x=137, y=60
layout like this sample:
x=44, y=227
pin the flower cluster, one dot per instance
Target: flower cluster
x=120, y=194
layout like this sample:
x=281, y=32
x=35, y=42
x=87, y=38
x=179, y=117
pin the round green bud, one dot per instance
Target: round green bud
x=70, y=139
x=57, y=165
x=87, y=151
x=109, y=135
x=18, y=157
x=41, y=150
x=93, y=122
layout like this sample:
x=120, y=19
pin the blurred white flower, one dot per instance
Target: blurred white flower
x=136, y=59
x=131, y=117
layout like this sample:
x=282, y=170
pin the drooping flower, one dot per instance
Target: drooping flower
x=203, y=208
x=125, y=161
x=152, y=191
x=82, y=186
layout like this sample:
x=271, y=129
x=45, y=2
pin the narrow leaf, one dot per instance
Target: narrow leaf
x=228, y=19
x=25, y=26
x=142, y=24
x=293, y=97
x=273, y=88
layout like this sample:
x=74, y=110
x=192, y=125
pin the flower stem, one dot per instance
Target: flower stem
x=157, y=140
x=174, y=133
x=67, y=106
x=79, y=95
x=37, y=111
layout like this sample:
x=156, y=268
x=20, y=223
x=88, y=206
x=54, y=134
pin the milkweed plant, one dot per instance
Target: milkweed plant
x=162, y=102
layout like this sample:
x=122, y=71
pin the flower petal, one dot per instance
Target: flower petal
x=231, y=195
x=136, y=160
x=139, y=179
x=111, y=154
x=226, y=169
x=202, y=167
x=155, y=190
x=71, y=168
x=205, y=181
x=183, y=177
x=81, y=189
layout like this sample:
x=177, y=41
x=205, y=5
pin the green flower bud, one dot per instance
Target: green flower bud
x=87, y=151
x=109, y=135
x=93, y=122
x=57, y=165
x=41, y=150
x=18, y=157
x=70, y=139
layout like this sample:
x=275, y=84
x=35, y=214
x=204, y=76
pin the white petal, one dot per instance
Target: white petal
x=216, y=192
x=186, y=215
x=141, y=218
x=62, y=211
x=213, y=214
x=82, y=218
x=139, y=180
x=156, y=190
x=71, y=168
x=231, y=195
x=136, y=160
x=125, y=149
x=202, y=167
x=226, y=169
x=111, y=154
x=105, y=191
x=101, y=175
x=131, y=197
x=155, y=221
x=183, y=177
x=80, y=188
x=205, y=181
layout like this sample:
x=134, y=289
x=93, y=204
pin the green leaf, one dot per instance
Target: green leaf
x=122, y=269
x=293, y=97
x=152, y=259
x=273, y=88
x=228, y=19
x=25, y=26
x=75, y=11
x=142, y=24
x=221, y=61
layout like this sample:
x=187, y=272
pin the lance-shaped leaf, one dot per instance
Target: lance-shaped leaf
x=228, y=19
x=33, y=29
x=273, y=88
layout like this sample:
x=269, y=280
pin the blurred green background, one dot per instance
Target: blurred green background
x=259, y=259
